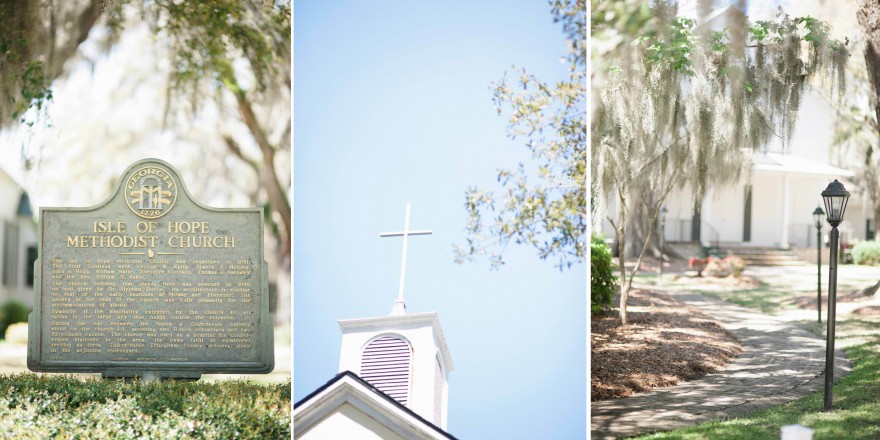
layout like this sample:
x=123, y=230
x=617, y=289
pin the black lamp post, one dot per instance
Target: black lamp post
x=817, y=217
x=835, y=197
x=662, y=240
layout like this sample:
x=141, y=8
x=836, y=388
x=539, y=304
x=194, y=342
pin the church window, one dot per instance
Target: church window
x=10, y=254
x=386, y=364
x=31, y=259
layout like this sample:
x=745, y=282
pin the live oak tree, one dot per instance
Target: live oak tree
x=869, y=19
x=219, y=51
x=548, y=212
x=856, y=136
x=680, y=105
x=206, y=38
x=857, y=128
x=36, y=39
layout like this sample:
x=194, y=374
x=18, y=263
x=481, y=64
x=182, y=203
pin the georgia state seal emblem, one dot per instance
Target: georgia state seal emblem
x=150, y=191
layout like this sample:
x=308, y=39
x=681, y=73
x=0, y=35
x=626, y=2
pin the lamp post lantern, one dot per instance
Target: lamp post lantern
x=662, y=241
x=835, y=197
x=817, y=217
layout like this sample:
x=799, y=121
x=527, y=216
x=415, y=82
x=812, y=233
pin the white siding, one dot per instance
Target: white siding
x=727, y=215
x=348, y=422
x=438, y=392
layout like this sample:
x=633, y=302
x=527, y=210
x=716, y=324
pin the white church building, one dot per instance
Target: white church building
x=18, y=242
x=771, y=207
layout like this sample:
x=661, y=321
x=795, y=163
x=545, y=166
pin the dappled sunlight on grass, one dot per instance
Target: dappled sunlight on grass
x=848, y=332
x=774, y=290
x=763, y=299
x=792, y=292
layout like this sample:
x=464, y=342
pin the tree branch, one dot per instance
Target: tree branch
x=662, y=153
x=236, y=150
x=84, y=23
x=276, y=194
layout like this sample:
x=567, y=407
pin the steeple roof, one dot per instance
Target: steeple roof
x=390, y=321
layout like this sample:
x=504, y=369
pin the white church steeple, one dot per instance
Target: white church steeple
x=403, y=355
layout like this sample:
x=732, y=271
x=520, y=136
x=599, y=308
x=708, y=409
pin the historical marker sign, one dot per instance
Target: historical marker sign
x=151, y=284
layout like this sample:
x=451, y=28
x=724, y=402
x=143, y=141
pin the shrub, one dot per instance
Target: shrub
x=603, y=283
x=736, y=264
x=717, y=268
x=866, y=252
x=17, y=333
x=12, y=312
x=38, y=407
x=698, y=264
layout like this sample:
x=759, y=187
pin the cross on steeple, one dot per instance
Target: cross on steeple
x=399, y=306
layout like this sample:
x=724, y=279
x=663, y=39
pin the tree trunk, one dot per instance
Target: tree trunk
x=624, y=287
x=620, y=231
x=274, y=191
x=641, y=223
x=49, y=33
x=869, y=19
x=872, y=184
x=639, y=229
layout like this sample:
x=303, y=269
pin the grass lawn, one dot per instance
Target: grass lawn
x=769, y=295
x=764, y=297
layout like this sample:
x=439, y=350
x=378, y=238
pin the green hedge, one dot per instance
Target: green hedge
x=40, y=407
x=603, y=283
x=867, y=253
x=10, y=313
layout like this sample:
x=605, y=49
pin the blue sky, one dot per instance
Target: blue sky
x=393, y=105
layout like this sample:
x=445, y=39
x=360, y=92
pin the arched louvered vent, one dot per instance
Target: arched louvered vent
x=438, y=392
x=385, y=364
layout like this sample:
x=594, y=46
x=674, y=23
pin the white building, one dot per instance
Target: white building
x=771, y=206
x=393, y=383
x=18, y=243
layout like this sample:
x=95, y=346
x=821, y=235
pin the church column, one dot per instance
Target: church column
x=706, y=217
x=786, y=212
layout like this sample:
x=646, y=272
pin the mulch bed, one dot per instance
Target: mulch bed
x=867, y=311
x=664, y=343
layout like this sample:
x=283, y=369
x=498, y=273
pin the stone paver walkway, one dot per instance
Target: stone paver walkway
x=779, y=362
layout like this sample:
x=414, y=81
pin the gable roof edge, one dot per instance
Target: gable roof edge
x=348, y=376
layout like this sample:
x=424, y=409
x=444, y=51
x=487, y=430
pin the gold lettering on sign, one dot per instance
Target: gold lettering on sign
x=112, y=241
x=187, y=227
x=185, y=241
x=118, y=227
x=190, y=234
